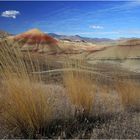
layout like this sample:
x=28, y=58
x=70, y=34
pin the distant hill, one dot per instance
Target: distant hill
x=127, y=48
x=4, y=34
x=78, y=38
x=36, y=41
x=130, y=42
x=126, y=54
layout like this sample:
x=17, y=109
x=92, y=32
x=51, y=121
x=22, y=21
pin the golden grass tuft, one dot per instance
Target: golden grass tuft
x=79, y=86
x=129, y=93
x=26, y=101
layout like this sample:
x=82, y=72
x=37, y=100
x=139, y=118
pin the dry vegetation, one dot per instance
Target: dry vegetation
x=80, y=88
x=32, y=109
x=26, y=105
x=129, y=93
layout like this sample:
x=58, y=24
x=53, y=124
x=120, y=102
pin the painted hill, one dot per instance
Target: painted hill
x=36, y=41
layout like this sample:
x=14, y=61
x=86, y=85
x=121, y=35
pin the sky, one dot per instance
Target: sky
x=101, y=19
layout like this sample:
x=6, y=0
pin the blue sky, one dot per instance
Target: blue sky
x=103, y=19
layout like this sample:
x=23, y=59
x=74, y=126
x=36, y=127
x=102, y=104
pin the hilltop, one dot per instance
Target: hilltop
x=36, y=41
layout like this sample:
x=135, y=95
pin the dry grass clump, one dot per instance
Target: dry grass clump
x=129, y=93
x=80, y=88
x=27, y=107
x=26, y=102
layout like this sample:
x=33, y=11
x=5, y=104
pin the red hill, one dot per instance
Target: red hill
x=35, y=40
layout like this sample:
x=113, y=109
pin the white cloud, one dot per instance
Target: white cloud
x=96, y=27
x=117, y=32
x=10, y=14
x=99, y=33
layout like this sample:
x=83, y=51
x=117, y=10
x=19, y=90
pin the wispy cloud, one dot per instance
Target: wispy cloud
x=96, y=27
x=135, y=3
x=129, y=32
x=10, y=14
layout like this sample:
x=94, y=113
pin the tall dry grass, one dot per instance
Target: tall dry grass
x=129, y=93
x=80, y=88
x=26, y=105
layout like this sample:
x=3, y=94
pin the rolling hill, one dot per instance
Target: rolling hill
x=36, y=41
x=77, y=38
x=125, y=54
